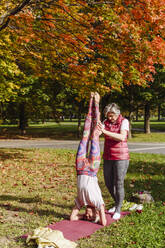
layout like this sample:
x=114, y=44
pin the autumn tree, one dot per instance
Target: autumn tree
x=99, y=45
x=103, y=44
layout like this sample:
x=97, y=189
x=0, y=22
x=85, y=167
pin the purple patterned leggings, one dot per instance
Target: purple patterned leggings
x=84, y=160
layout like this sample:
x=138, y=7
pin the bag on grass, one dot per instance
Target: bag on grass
x=143, y=197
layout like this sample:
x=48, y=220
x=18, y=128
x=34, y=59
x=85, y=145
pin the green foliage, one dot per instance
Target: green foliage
x=10, y=75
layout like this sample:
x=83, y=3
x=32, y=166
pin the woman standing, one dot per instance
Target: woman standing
x=116, y=155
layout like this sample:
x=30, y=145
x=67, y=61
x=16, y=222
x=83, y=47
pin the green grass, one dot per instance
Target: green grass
x=68, y=131
x=155, y=125
x=38, y=187
x=50, y=130
x=152, y=137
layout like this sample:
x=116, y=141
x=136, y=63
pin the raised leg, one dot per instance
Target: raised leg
x=94, y=155
x=83, y=145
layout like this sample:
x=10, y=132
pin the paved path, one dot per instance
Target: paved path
x=158, y=148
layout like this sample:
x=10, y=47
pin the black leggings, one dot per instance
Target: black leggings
x=114, y=174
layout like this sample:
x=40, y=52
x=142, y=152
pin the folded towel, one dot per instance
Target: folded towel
x=46, y=237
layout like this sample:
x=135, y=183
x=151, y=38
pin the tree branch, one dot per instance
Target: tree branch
x=5, y=18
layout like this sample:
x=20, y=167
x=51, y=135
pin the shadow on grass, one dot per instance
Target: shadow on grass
x=155, y=187
x=34, y=211
x=35, y=199
x=147, y=167
x=57, y=132
x=46, y=212
x=146, y=175
x=142, y=175
x=6, y=154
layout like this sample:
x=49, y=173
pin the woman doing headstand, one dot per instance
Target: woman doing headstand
x=87, y=166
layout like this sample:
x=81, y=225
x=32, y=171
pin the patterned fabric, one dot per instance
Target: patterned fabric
x=88, y=164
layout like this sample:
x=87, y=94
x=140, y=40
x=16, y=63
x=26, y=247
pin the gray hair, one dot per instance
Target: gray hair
x=112, y=107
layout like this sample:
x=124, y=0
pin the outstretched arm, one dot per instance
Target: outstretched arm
x=103, y=220
x=82, y=150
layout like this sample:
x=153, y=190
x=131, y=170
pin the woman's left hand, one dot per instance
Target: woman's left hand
x=100, y=126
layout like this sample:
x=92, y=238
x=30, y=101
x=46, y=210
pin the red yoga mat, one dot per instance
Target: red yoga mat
x=74, y=230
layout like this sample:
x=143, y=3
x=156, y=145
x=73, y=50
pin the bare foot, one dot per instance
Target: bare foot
x=92, y=94
x=97, y=97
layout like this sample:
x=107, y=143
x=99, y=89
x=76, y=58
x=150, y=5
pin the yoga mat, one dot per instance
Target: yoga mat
x=74, y=230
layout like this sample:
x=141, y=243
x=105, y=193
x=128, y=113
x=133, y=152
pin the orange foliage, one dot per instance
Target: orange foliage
x=126, y=35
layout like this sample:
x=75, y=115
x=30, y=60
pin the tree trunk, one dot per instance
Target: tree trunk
x=130, y=125
x=147, y=118
x=131, y=110
x=137, y=114
x=104, y=101
x=159, y=112
x=23, y=121
x=1, y=113
x=71, y=117
x=79, y=119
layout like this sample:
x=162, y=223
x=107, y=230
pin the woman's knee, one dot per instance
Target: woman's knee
x=120, y=184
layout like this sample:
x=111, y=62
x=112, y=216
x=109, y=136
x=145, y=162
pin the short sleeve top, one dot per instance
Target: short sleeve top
x=125, y=125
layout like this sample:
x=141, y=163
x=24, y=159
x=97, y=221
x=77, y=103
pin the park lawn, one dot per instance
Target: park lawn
x=154, y=125
x=68, y=131
x=49, y=130
x=38, y=187
x=154, y=137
